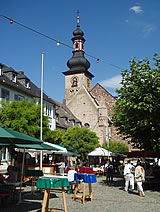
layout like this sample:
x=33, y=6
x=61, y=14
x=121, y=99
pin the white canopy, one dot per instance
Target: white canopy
x=61, y=149
x=101, y=152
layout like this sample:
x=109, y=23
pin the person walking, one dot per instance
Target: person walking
x=139, y=178
x=106, y=169
x=110, y=171
x=128, y=176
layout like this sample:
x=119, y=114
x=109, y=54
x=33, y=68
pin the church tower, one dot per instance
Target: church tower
x=78, y=75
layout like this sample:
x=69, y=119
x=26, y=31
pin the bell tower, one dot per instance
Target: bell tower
x=78, y=75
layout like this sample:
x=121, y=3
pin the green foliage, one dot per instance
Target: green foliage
x=23, y=116
x=54, y=136
x=116, y=147
x=82, y=139
x=137, y=110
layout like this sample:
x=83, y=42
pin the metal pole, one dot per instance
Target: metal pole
x=108, y=140
x=22, y=173
x=41, y=152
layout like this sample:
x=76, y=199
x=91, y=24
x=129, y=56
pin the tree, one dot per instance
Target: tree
x=82, y=139
x=54, y=136
x=116, y=147
x=137, y=110
x=23, y=116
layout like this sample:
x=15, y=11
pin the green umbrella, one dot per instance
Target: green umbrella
x=41, y=146
x=73, y=154
x=70, y=148
x=8, y=136
x=13, y=138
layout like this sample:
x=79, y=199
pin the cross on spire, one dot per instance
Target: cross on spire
x=78, y=17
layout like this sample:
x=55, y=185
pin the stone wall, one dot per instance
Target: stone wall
x=99, y=92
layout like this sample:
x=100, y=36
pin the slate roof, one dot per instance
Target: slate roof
x=65, y=117
x=32, y=91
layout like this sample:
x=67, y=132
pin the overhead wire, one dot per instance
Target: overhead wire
x=57, y=41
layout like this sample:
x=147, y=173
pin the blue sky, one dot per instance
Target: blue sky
x=114, y=31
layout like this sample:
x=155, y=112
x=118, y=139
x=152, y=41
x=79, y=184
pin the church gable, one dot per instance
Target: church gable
x=98, y=92
x=83, y=97
x=84, y=107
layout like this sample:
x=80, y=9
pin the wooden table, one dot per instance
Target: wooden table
x=48, y=183
x=87, y=178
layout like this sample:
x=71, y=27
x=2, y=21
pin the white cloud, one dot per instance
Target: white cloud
x=113, y=82
x=148, y=29
x=136, y=9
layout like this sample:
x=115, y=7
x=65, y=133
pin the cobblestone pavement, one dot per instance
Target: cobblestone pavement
x=107, y=197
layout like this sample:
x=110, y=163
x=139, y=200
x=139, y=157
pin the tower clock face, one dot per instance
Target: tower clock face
x=74, y=82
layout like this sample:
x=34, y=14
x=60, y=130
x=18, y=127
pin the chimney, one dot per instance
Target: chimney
x=21, y=72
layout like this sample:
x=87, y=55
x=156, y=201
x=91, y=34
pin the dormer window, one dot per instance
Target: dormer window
x=1, y=73
x=57, y=116
x=65, y=119
x=14, y=77
x=27, y=84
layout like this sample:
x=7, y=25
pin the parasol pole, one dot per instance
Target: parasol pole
x=22, y=173
x=41, y=152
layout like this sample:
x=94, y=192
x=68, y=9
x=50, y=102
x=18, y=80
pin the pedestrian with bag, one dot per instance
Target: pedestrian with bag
x=139, y=178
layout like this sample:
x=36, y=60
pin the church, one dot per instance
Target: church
x=91, y=105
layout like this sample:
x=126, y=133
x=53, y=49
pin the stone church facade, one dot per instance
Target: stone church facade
x=92, y=106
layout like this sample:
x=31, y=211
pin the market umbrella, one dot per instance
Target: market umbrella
x=101, y=152
x=72, y=154
x=8, y=136
x=13, y=138
x=41, y=146
x=61, y=148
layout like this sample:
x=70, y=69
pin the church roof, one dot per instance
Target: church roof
x=103, y=89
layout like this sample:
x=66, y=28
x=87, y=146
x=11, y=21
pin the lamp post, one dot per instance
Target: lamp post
x=41, y=127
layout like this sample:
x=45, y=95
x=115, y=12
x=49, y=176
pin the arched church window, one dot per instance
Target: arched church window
x=86, y=125
x=74, y=82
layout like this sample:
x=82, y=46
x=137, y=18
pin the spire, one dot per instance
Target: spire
x=78, y=19
x=78, y=63
x=78, y=32
x=78, y=60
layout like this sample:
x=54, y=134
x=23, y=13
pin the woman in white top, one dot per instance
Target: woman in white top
x=140, y=178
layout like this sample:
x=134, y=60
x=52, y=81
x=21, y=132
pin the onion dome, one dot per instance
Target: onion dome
x=78, y=32
x=78, y=60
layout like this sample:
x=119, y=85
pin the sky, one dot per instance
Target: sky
x=115, y=31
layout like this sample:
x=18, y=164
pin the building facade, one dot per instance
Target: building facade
x=14, y=85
